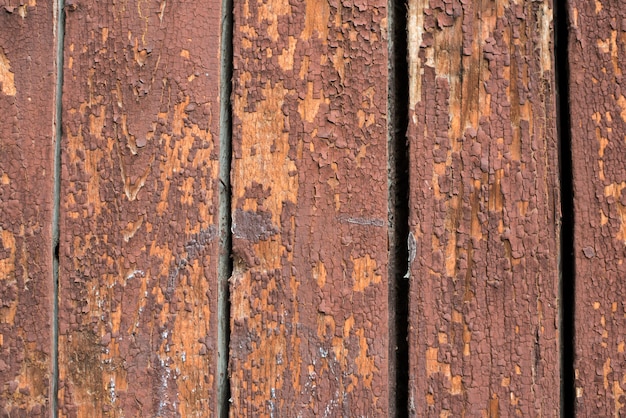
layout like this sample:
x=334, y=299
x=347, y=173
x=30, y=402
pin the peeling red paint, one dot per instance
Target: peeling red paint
x=309, y=320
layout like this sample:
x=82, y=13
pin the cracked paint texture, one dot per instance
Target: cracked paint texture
x=597, y=55
x=139, y=239
x=27, y=92
x=484, y=210
x=309, y=318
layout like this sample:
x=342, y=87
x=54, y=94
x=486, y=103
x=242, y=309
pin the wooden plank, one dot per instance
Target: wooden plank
x=596, y=59
x=139, y=247
x=27, y=93
x=484, y=210
x=309, y=288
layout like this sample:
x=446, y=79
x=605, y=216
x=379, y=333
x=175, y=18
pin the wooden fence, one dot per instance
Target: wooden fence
x=394, y=209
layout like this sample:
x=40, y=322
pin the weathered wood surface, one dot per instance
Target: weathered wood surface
x=138, y=257
x=484, y=205
x=597, y=56
x=309, y=288
x=27, y=94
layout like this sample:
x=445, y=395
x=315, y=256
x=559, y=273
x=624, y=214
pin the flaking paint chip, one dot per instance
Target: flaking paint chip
x=589, y=252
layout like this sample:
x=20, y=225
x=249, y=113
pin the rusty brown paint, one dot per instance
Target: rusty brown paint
x=139, y=247
x=309, y=288
x=27, y=92
x=484, y=208
x=598, y=112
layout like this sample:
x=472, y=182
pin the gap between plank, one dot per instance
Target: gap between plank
x=567, y=282
x=225, y=264
x=59, y=17
x=398, y=216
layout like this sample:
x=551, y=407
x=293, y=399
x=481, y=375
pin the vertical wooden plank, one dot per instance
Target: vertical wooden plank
x=139, y=247
x=597, y=57
x=27, y=92
x=484, y=209
x=309, y=288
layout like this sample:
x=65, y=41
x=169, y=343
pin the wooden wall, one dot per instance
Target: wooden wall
x=137, y=279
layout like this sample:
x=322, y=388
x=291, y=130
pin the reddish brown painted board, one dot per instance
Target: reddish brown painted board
x=484, y=210
x=27, y=135
x=139, y=247
x=597, y=56
x=309, y=288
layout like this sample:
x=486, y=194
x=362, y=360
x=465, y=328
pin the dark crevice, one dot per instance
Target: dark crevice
x=567, y=266
x=56, y=203
x=398, y=183
x=225, y=264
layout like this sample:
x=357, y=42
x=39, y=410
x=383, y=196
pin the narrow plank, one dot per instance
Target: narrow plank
x=27, y=97
x=139, y=247
x=596, y=59
x=309, y=288
x=484, y=210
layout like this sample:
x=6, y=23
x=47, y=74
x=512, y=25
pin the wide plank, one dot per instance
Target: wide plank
x=484, y=209
x=309, y=309
x=597, y=46
x=27, y=144
x=139, y=202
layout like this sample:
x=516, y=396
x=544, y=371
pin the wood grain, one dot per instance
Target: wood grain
x=309, y=289
x=484, y=206
x=139, y=244
x=597, y=57
x=27, y=97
